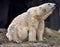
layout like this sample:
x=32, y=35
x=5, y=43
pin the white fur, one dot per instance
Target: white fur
x=31, y=21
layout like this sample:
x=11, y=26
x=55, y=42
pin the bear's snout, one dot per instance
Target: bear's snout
x=52, y=5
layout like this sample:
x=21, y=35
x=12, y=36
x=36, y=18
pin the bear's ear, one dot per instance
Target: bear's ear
x=28, y=12
x=40, y=8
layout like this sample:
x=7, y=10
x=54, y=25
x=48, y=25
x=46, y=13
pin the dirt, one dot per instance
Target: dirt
x=51, y=39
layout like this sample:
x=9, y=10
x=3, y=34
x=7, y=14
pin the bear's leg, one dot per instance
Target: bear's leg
x=12, y=34
x=23, y=33
x=16, y=37
x=40, y=31
x=9, y=36
x=32, y=34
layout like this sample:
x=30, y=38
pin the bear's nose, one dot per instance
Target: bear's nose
x=53, y=5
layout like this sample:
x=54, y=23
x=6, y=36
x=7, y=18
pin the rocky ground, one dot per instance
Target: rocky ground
x=51, y=39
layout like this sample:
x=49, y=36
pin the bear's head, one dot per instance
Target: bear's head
x=43, y=11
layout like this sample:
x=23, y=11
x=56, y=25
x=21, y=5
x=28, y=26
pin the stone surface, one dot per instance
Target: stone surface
x=51, y=39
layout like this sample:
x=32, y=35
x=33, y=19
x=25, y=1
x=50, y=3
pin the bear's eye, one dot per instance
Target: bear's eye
x=49, y=4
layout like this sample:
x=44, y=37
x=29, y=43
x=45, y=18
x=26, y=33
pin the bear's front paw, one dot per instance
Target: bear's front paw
x=40, y=39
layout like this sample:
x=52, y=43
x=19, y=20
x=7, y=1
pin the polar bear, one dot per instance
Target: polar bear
x=30, y=24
